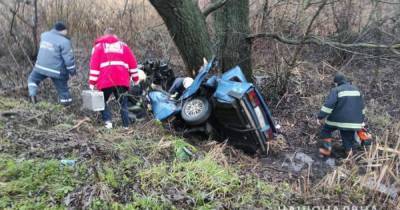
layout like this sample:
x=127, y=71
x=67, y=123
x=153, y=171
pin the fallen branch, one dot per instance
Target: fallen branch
x=321, y=41
x=86, y=119
x=213, y=6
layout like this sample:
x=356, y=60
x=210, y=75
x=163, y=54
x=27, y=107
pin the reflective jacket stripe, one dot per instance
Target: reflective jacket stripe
x=344, y=125
x=326, y=110
x=114, y=63
x=94, y=72
x=66, y=100
x=47, y=69
x=133, y=71
x=71, y=67
x=349, y=93
x=93, y=78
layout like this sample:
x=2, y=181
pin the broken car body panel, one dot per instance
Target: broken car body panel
x=239, y=109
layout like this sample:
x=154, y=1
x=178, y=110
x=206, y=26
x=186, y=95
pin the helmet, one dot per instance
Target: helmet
x=187, y=81
x=142, y=75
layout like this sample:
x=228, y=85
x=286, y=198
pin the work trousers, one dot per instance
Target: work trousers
x=61, y=85
x=348, y=136
x=120, y=95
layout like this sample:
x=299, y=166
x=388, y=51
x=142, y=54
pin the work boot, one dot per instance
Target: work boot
x=33, y=99
x=326, y=148
x=108, y=124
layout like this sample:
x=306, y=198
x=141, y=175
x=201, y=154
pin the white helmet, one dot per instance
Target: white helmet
x=187, y=81
x=142, y=75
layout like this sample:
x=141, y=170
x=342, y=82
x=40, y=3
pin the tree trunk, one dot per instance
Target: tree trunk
x=187, y=27
x=231, y=23
x=35, y=29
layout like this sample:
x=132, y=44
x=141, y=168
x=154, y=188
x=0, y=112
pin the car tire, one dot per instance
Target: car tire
x=196, y=111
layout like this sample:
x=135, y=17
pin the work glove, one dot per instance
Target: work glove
x=320, y=121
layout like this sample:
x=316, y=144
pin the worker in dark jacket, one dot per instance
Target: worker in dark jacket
x=343, y=111
x=55, y=60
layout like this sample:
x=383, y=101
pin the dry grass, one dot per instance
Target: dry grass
x=370, y=178
x=139, y=25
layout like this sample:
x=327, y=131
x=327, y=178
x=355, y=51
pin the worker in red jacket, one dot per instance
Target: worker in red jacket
x=112, y=66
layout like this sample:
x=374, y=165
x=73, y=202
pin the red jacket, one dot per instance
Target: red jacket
x=112, y=64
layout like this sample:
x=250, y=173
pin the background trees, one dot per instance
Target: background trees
x=294, y=47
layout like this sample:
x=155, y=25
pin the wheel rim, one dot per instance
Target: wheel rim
x=194, y=108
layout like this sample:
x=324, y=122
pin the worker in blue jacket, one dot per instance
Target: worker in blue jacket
x=55, y=60
x=344, y=111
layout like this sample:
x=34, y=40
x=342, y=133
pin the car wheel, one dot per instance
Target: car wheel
x=196, y=111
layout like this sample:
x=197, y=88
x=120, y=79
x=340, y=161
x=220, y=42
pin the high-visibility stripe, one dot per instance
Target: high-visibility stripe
x=133, y=70
x=47, y=69
x=349, y=93
x=32, y=84
x=344, y=125
x=66, y=100
x=93, y=78
x=94, y=72
x=326, y=110
x=71, y=67
x=114, y=63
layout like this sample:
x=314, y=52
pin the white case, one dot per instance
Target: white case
x=93, y=100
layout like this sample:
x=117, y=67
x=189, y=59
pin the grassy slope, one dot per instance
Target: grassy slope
x=145, y=168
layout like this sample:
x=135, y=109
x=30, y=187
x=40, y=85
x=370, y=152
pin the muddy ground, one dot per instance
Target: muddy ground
x=124, y=168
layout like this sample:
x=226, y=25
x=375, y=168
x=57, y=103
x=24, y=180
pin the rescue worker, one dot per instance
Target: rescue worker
x=55, y=60
x=343, y=111
x=112, y=66
x=137, y=112
x=179, y=86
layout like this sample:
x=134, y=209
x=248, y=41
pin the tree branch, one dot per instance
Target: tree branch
x=299, y=48
x=213, y=6
x=15, y=13
x=321, y=41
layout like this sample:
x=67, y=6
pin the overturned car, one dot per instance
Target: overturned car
x=227, y=106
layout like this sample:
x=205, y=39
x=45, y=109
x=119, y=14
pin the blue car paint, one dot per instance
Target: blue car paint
x=162, y=106
x=212, y=82
x=231, y=81
x=225, y=87
x=198, y=80
x=234, y=74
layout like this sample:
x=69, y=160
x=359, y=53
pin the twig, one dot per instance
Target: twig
x=279, y=102
x=86, y=119
x=14, y=12
x=320, y=41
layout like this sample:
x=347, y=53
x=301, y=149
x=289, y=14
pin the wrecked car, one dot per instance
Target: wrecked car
x=227, y=106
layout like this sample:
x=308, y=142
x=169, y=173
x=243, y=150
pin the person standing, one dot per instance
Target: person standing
x=55, y=60
x=343, y=111
x=112, y=66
